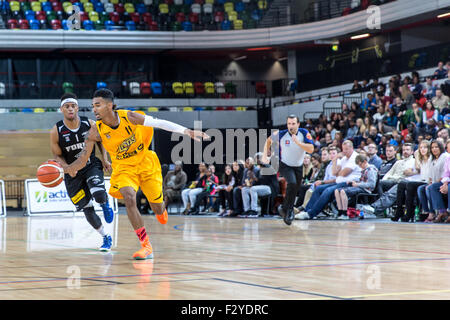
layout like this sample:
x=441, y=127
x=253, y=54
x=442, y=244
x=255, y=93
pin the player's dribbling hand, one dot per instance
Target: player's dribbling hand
x=70, y=171
x=195, y=134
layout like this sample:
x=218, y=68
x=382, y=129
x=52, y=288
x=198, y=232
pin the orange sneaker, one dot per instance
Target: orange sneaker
x=146, y=252
x=163, y=217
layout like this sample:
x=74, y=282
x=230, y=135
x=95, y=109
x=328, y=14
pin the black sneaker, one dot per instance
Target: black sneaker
x=281, y=212
x=289, y=217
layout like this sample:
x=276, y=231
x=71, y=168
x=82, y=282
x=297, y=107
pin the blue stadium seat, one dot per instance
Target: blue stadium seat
x=47, y=6
x=34, y=24
x=239, y=7
x=131, y=26
x=88, y=25
x=187, y=26
x=225, y=25
x=109, y=25
x=141, y=9
x=30, y=14
x=156, y=88
x=79, y=5
x=64, y=24
x=99, y=7
x=101, y=85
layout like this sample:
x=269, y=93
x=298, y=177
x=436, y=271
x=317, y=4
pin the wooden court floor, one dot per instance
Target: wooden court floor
x=206, y=257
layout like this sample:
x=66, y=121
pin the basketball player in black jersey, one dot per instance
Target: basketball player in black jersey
x=67, y=140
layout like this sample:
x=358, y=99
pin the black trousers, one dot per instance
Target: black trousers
x=301, y=194
x=293, y=176
x=225, y=197
x=406, y=196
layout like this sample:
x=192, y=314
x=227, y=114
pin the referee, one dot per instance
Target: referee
x=293, y=143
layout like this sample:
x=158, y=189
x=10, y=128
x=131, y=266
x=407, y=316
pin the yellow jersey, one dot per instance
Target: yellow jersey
x=128, y=143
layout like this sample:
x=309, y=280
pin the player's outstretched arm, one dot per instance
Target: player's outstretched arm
x=91, y=138
x=149, y=121
x=56, y=149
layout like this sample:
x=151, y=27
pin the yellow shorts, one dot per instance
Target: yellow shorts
x=146, y=175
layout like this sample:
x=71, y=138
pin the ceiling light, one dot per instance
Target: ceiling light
x=360, y=36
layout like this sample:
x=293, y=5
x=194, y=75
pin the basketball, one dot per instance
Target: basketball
x=50, y=174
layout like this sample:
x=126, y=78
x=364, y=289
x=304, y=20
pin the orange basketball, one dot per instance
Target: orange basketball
x=50, y=174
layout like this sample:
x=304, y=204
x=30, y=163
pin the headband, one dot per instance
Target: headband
x=69, y=100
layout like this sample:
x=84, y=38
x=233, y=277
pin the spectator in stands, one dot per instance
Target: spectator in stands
x=416, y=88
x=322, y=194
x=307, y=168
x=366, y=184
x=208, y=184
x=390, y=121
x=389, y=162
x=238, y=173
x=352, y=130
x=365, y=85
x=443, y=191
x=368, y=104
x=443, y=134
x=356, y=87
x=319, y=164
x=173, y=183
x=189, y=195
x=429, y=88
x=378, y=118
x=374, y=135
x=226, y=191
x=328, y=178
x=445, y=87
x=373, y=158
x=438, y=158
x=250, y=189
x=355, y=111
x=430, y=112
x=387, y=187
x=407, y=188
x=440, y=102
x=407, y=98
x=413, y=115
x=268, y=177
x=440, y=72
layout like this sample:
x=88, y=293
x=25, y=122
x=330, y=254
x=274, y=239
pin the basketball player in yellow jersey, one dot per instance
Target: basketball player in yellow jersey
x=127, y=135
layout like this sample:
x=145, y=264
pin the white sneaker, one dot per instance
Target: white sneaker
x=368, y=215
x=302, y=216
x=343, y=217
x=368, y=209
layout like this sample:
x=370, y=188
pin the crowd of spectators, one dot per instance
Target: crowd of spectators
x=390, y=148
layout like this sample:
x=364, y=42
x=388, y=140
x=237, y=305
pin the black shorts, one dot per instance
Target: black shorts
x=87, y=181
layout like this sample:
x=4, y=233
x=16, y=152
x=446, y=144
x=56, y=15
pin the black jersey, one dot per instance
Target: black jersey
x=71, y=141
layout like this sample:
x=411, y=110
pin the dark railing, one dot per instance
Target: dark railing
x=14, y=190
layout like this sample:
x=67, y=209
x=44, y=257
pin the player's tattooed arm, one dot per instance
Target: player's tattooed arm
x=104, y=154
x=91, y=138
x=56, y=149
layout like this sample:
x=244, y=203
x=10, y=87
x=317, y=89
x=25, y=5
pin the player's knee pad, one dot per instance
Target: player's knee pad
x=100, y=196
x=92, y=217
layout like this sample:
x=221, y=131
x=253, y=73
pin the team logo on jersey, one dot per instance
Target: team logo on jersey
x=308, y=136
x=287, y=142
x=126, y=144
x=107, y=135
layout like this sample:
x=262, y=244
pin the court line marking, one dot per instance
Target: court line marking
x=397, y=293
x=105, y=283
x=233, y=270
x=319, y=244
x=283, y=289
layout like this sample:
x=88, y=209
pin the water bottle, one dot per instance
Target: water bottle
x=361, y=215
x=416, y=214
